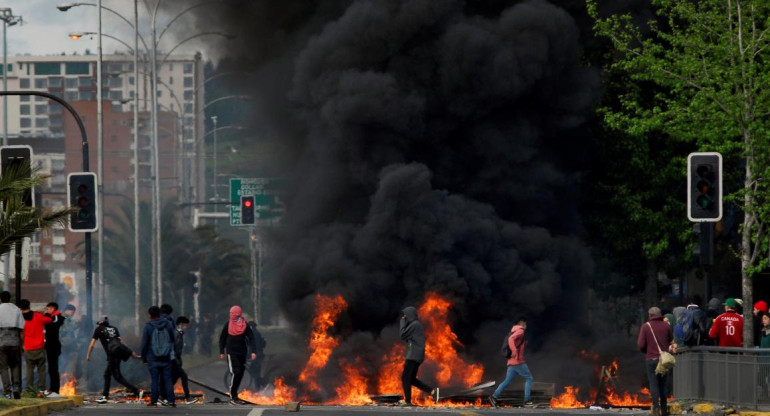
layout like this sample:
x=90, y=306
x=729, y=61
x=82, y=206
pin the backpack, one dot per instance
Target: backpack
x=684, y=329
x=161, y=343
x=505, y=350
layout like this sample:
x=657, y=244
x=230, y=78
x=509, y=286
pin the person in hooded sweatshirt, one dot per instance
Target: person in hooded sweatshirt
x=234, y=341
x=516, y=363
x=159, y=366
x=413, y=334
x=34, y=344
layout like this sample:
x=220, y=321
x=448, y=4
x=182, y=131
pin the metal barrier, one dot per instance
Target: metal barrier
x=734, y=376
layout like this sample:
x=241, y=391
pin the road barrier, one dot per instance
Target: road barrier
x=732, y=376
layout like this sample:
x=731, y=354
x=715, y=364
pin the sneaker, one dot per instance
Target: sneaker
x=403, y=403
x=164, y=402
x=435, y=394
x=529, y=403
x=192, y=400
x=237, y=402
x=492, y=401
x=52, y=395
x=152, y=405
x=101, y=400
x=140, y=394
x=17, y=395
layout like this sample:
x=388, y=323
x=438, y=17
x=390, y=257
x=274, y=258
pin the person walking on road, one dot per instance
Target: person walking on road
x=11, y=330
x=53, y=347
x=234, y=341
x=158, y=353
x=109, y=336
x=71, y=336
x=177, y=371
x=652, y=335
x=34, y=345
x=728, y=327
x=413, y=334
x=516, y=363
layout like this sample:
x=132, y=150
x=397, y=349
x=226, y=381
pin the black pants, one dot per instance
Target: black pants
x=113, y=370
x=52, y=353
x=657, y=388
x=409, y=379
x=178, y=372
x=237, y=365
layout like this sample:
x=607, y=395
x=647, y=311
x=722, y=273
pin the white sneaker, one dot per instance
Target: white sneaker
x=193, y=400
x=140, y=395
x=52, y=395
x=101, y=400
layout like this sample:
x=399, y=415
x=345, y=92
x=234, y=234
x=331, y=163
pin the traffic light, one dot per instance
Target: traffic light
x=19, y=158
x=247, y=210
x=704, y=179
x=81, y=194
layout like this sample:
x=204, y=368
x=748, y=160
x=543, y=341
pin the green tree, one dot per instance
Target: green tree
x=17, y=220
x=708, y=64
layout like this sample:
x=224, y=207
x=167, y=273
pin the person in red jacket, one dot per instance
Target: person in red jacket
x=653, y=335
x=728, y=327
x=516, y=363
x=34, y=344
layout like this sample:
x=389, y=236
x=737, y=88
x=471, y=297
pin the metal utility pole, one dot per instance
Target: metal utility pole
x=8, y=20
x=137, y=227
x=100, y=158
x=156, y=166
x=214, y=181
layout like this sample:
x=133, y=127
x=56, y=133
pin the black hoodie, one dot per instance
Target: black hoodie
x=413, y=334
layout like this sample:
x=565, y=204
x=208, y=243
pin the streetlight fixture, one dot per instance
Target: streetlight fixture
x=78, y=35
x=6, y=15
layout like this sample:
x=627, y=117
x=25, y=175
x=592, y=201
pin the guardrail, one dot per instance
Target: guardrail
x=733, y=376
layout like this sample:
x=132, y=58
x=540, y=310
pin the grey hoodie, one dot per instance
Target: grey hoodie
x=413, y=334
x=149, y=328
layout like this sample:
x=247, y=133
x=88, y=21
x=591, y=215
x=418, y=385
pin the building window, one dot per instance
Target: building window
x=116, y=95
x=188, y=68
x=76, y=68
x=41, y=122
x=41, y=83
x=116, y=82
x=188, y=95
x=24, y=98
x=160, y=93
x=47, y=250
x=47, y=68
x=71, y=83
x=131, y=80
x=188, y=108
x=41, y=109
x=84, y=81
x=86, y=96
x=24, y=109
x=71, y=95
x=54, y=109
x=188, y=82
x=24, y=83
x=54, y=82
x=25, y=122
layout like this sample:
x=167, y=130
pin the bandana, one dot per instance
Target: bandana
x=237, y=324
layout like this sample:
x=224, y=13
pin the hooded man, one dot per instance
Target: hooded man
x=235, y=340
x=158, y=353
x=53, y=346
x=516, y=363
x=413, y=334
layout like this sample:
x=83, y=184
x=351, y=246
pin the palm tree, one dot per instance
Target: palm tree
x=18, y=220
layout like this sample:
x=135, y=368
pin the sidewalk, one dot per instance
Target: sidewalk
x=44, y=407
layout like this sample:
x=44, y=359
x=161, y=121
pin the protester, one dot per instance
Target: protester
x=177, y=371
x=34, y=344
x=158, y=353
x=678, y=312
x=759, y=307
x=11, y=329
x=764, y=341
x=413, y=334
x=53, y=347
x=728, y=327
x=72, y=340
x=699, y=324
x=235, y=340
x=109, y=335
x=656, y=336
x=516, y=364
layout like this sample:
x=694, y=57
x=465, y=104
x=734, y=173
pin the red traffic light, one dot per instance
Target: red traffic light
x=247, y=203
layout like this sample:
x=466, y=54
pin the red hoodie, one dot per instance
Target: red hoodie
x=34, y=337
x=516, y=343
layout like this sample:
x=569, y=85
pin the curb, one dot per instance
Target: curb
x=44, y=408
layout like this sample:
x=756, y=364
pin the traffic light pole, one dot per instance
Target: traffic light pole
x=84, y=137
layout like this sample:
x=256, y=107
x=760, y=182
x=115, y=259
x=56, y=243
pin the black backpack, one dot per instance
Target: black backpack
x=505, y=350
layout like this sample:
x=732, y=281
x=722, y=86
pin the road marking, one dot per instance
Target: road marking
x=256, y=412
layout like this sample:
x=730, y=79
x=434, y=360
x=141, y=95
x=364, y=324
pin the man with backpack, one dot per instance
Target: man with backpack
x=692, y=326
x=158, y=353
x=516, y=363
x=115, y=350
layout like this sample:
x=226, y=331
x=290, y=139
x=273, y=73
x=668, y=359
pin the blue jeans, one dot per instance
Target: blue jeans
x=657, y=387
x=160, y=369
x=523, y=371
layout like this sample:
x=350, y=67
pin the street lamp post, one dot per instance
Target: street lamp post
x=100, y=157
x=214, y=181
x=6, y=15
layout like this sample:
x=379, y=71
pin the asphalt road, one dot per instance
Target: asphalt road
x=226, y=409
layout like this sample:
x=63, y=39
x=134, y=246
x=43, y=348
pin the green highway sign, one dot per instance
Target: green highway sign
x=268, y=206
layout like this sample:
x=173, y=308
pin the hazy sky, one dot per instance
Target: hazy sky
x=44, y=29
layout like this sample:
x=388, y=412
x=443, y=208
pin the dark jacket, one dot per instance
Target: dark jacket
x=178, y=347
x=764, y=339
x=52, y=341
x=149, y=328
x=237, y=344
x=646, y=342
x=413, y=334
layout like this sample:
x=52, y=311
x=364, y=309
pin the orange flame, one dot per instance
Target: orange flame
x=69, y=388
x=321, y=343
x=568, y=399
x=281, y=394
x=353, y=390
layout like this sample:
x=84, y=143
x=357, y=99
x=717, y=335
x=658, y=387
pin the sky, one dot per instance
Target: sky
x=45, y=29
